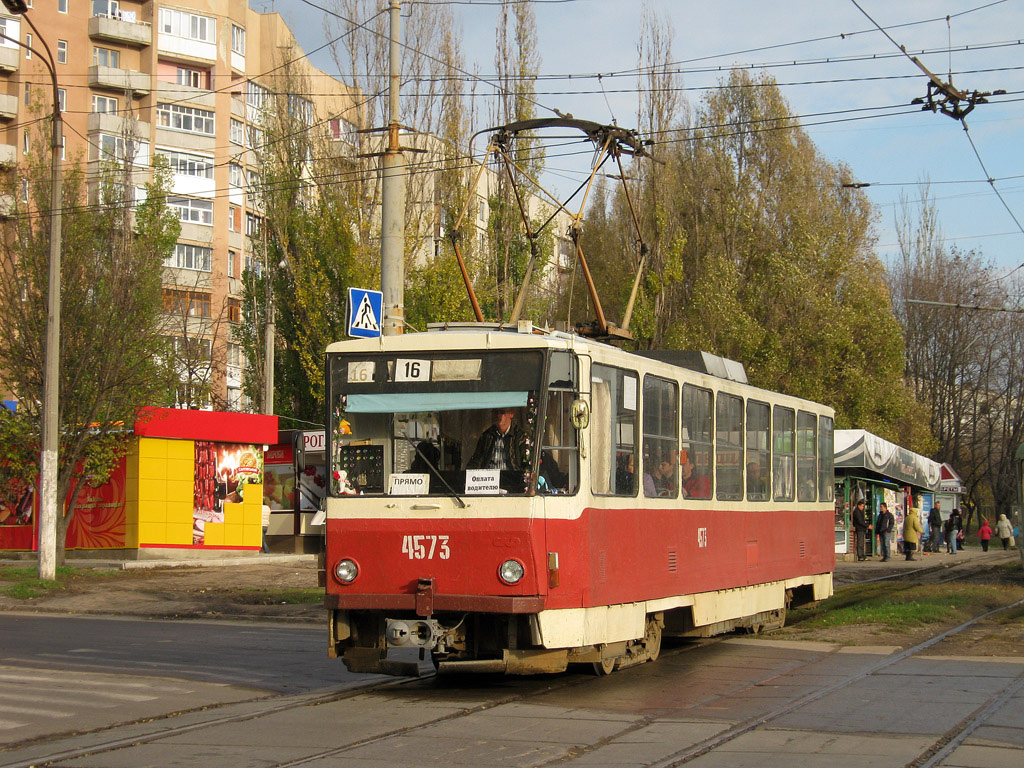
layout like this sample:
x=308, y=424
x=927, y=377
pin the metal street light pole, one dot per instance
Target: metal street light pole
x=49, y=506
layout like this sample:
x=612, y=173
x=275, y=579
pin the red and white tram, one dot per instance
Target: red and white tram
x=660, y=494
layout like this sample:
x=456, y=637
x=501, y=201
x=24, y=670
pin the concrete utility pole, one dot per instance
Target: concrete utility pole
x=49, y=505
x=392, y=252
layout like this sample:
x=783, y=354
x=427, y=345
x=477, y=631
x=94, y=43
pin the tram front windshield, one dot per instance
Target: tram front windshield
x=435, y=423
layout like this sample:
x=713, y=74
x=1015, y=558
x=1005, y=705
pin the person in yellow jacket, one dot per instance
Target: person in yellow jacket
x=911, y=532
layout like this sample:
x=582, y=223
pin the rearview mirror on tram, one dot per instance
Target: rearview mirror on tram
x=580, y=414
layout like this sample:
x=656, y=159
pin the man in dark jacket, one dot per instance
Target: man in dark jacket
x=503, y=445
x=884, y=528
x=934, y=528
x=861, y=526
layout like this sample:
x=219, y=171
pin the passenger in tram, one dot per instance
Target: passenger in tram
x=757, y=483
x=552, y=478
x=625, y=474
x=665, y=475
x=502, y=445
x=695, y=485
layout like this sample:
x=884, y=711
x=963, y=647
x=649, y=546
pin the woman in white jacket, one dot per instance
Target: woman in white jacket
x=1004, y=531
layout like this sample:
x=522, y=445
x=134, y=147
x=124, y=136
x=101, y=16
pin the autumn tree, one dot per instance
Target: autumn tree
x=113, y=351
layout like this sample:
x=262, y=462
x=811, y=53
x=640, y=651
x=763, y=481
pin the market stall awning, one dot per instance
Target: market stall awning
x=859, y=449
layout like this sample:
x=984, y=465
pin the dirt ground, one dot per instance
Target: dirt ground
x=282, y=591
x=263, y=590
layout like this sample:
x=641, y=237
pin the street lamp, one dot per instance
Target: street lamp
x=48, y=502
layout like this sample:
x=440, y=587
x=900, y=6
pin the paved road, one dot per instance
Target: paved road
x=63, y=673
x=730, y=704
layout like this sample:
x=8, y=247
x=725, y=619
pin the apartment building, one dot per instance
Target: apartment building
x=190, y=81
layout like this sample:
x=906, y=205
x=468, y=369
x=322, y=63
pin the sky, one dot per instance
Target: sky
x=849, y=85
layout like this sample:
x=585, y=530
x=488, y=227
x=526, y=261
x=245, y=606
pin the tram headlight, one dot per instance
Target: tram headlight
x=511, y=571
x=346, y=571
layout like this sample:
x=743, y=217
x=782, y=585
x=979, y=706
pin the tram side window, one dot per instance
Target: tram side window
x=806, y=463
x=826, y=459
x=559, y=454
x=695, y=456
x=613, y=431
x=758, y=451
x=729, y=446
x=661, y=444
x=783, y=465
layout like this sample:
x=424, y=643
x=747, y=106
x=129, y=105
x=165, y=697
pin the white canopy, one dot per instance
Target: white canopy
x=859, y=449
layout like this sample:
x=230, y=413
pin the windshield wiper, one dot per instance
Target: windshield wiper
x=435, y=471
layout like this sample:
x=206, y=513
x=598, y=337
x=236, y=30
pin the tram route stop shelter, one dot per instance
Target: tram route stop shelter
x=192, y=481
x=871, y=468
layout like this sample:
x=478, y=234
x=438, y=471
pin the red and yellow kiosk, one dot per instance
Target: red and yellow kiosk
x=192, y=480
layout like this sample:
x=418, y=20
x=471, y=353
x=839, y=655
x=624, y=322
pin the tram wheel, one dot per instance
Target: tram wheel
x=604, y=667
x=653, y=639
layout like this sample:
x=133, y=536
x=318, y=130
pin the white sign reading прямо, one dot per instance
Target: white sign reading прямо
x=481, y=482
x=408, y=485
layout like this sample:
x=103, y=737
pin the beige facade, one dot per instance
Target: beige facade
x=187, y=80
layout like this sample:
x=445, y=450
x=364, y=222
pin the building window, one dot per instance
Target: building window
x=188, y=304
x=62, y=51
x=194, y=78
x=236, y=132
x=197, y=257
x=26, y=142
x=62, y=6
x=28, y=45
x=189, y=119
x=234, y=311
x=28, y=94
x=252, y=225
x=106, y=57
x=105, y=105
x=238, y=40
x=115, y=148
x=235, y=176
x=62, y=100
x=232, y=263
x=256, y=95
x=188, y=164
x=24, y=190
x=190, y=26
x=192, y=210
x=234, y=218
x=110, y=9
x=255, y=136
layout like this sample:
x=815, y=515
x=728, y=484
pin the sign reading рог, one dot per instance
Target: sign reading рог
x=408, y=485
x=482, y=482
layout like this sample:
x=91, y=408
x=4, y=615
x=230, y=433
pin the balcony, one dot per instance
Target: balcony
x=100, y=122
x=10, y=58
x=120, y=80
x=8, y=107
x=137, y=34
x=8, y=155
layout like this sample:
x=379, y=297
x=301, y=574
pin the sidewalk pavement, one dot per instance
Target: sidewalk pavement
x=204, y=562
x=897, y=562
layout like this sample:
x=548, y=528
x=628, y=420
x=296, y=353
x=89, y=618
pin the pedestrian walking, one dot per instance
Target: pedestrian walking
x=911, y=533
x=883, y=527
x=984, y=534
x=1004, y=531
x=861, y=526
x=953, y=527
x=934, y=528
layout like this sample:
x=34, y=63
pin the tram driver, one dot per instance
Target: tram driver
x=502, y=445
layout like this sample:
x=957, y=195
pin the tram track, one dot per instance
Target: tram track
x=255, y=709
x=930, y=757
x=271, y=705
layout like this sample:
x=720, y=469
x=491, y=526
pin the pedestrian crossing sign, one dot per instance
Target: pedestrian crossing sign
x=365, y=313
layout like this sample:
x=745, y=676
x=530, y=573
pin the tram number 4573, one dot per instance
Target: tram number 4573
x=426, y=547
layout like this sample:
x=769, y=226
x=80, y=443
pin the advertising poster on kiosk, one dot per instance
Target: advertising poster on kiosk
x=222, y=471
